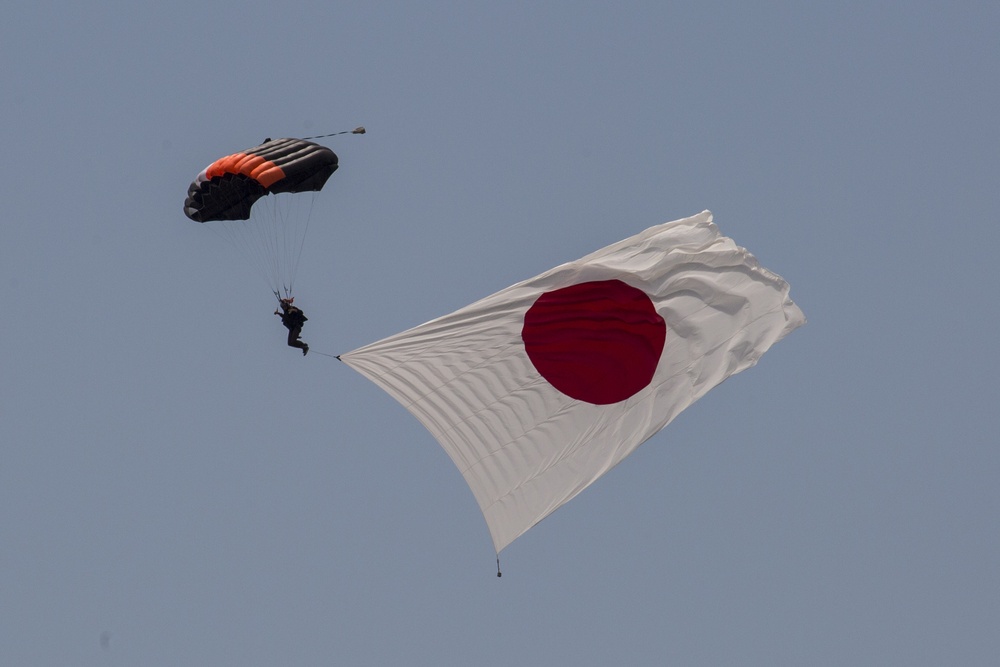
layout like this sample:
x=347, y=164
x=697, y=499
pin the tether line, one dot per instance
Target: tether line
x=357, y=130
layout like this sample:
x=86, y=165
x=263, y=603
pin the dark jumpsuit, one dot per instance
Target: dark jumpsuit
x=293, y=318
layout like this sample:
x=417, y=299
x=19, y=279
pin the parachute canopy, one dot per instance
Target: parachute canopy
x=272, y=235
x=228, y=188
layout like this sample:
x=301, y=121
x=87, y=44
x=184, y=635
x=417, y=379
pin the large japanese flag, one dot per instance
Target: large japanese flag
x=541, y=388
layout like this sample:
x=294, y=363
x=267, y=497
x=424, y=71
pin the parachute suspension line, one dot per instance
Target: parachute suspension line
x=283, y=293
x=357, y=130
x=250, y=237
x=275, y=232
x=232, y=234
x=294, y=261
x=270, y=241
x=260, y=229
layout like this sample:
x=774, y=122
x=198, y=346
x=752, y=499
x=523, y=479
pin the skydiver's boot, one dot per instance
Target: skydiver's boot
x=305, y=348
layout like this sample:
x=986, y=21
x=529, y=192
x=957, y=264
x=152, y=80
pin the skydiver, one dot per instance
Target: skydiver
x=293, y=318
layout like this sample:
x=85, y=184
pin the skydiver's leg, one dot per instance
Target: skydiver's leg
x=293, y=339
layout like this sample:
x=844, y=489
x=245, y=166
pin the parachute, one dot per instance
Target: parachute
x=225, y=192
x=228, y=188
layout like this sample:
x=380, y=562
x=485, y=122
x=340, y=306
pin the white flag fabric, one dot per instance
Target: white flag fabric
x=538, y=390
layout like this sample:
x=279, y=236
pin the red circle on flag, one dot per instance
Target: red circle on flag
x=598, y=342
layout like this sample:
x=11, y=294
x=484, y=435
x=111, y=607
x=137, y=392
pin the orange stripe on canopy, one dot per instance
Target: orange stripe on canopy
x=253, y=166
x=267, y=174
x=224, y=165
x=248, y=163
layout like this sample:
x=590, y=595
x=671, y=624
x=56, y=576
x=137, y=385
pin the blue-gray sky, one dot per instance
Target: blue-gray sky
x=178, y=487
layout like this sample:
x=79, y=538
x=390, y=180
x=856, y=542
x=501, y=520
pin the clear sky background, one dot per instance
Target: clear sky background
x=177, y=487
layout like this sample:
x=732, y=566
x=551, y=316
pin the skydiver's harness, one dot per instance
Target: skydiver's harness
x=293, y=317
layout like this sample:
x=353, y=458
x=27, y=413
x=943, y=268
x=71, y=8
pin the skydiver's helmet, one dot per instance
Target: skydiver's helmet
x=286, y=303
